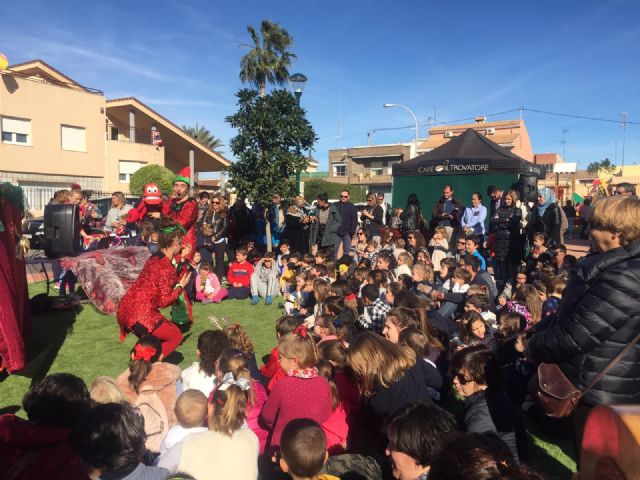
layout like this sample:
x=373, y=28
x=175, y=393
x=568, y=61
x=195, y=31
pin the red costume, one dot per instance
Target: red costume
x=186, y=214
x=140, y=306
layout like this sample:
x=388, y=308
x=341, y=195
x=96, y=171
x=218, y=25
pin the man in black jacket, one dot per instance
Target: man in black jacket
x=348, y=224
x=447, y=212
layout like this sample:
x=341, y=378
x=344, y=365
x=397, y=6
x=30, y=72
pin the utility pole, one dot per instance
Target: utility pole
x=563, y=141
x=624, y=137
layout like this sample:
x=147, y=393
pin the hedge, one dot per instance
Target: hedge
x=313, y=187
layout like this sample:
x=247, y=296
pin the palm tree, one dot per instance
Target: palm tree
x=269, y=58
x=203, y=136
x=604, y=165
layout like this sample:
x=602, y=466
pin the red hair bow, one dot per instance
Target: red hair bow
x=301, y=330
x=141, y=352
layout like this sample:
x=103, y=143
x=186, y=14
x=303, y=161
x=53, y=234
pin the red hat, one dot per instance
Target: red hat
x=184, y=176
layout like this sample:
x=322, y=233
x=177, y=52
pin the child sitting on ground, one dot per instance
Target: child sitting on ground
x=375, y=310
x=554, y=295
x=423, y=277
x=478, y=302
x=302, y=393
x=271, y=370
x=474, y=330
x=201, y=375
x=405, y=262
x=328, y=327
x=399, y=246
x=239, y=276
x=440, y=247
x=240, y=339
x=191, y=414
x=304, y=450
x=264, y=280
x=208, y=287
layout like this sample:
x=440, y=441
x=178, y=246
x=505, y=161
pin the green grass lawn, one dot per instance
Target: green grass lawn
x=86, y=344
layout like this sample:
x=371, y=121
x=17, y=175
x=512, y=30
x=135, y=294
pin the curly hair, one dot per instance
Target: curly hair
x=239, y=338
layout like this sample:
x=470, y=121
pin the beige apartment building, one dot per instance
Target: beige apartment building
x=56, y=132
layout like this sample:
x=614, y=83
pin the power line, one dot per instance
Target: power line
x=582, y=117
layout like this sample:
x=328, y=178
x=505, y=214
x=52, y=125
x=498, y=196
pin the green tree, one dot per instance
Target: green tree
x=204, y=137
x=273, y=132
x=269, y=59
x=604, y=165
x=161, y=176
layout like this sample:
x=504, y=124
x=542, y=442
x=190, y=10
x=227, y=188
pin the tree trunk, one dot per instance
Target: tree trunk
x=268, y=231
x=263, y=89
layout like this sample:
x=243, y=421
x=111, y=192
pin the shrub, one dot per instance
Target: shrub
x=161, y=176
x=313, y=187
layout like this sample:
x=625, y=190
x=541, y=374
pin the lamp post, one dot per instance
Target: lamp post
x=298, y=81
x=389, y=105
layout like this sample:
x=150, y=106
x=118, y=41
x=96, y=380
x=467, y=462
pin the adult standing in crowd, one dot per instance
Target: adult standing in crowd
x=546, y=218
x=475, y=215
x=372, y=216
x=239, y=223
x=325, y=223
x=183, y=209
x=348, y=223
x=570, y=212
x=276, y=218
x=600, y=312
x=495, y=193
x=386, y=209
x=297, y=225
x=585, y=211
x=203, y=207
x=508, y=242
x=217, y=217
x=117, y=216
x=411, y=215
x=446, y=212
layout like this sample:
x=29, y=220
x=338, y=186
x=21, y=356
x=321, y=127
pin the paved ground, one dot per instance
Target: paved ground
x=577, y=247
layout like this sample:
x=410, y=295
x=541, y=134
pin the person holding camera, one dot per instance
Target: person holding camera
x=446, y=212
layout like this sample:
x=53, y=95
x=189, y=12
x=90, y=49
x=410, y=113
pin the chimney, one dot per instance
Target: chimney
x=481, y=119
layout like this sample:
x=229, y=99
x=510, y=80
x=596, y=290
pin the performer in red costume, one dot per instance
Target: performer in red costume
x=158, y=286
x=183, y=209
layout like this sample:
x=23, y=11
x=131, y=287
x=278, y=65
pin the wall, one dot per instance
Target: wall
x=48, y=107
x=122, y=150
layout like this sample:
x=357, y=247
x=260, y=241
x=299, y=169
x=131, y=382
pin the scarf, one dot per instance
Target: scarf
x=549, y=197
x=304, y=373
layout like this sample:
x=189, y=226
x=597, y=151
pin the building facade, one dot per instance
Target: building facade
x=56, y=132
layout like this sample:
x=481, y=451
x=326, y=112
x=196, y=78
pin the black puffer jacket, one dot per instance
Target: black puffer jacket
x=506, y=225
x=598, y=316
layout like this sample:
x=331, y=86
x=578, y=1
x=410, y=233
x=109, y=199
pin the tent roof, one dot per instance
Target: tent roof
x=467, y=154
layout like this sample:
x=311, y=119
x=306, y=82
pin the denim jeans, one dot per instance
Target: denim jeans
x=344, y=240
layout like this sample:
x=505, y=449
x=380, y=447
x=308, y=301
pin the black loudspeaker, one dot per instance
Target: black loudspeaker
x=528, y=188
x=61, y=230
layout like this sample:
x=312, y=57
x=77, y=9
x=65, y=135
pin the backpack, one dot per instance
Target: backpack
x=564, y=223
x=156, y=420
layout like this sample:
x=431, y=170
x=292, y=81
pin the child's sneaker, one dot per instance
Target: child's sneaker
x=255, y=300
x=268, y=300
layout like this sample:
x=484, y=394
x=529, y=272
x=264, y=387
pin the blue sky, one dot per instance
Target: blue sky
x=463, y=58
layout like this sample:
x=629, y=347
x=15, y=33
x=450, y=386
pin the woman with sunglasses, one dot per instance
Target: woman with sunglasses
x=216, y=217
x=415, y=242
x=476, y=377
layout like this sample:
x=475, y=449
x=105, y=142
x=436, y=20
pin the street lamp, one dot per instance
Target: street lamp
x=298, y=81
x=389, y=105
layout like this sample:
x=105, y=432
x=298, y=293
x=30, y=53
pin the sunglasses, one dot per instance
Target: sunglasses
x=410, y=237
x=360, y=234
x=215, y=202
x=344, y=196
x=462, y=379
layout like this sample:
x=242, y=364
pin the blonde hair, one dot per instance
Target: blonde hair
x=378, y=363
x=407, y=258
x=122, y=201
x=619, y=214
x=223, y=204
x=300, y=347
x=239, y=338
x=105, y=390
x=427, y=271
x=440, y=230
x=191, y=408
x=229, y=410
x=514, y=196
x=529, y=296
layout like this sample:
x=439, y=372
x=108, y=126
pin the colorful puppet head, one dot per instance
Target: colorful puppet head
x=151, y=194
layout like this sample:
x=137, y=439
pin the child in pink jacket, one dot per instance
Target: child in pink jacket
x=208, y=286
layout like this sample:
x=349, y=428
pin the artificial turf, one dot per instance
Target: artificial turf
x=85, y=343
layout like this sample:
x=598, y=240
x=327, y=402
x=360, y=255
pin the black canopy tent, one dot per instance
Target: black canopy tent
x=469, y=163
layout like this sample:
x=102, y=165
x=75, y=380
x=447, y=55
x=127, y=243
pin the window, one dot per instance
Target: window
x=390, y=166
x=339, y=169
x=128, y=168
x=73, y=138
x=16, y=131
x=375, y=171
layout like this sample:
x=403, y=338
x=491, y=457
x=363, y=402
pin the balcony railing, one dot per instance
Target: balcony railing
x=122, y=133
x=361, y=179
